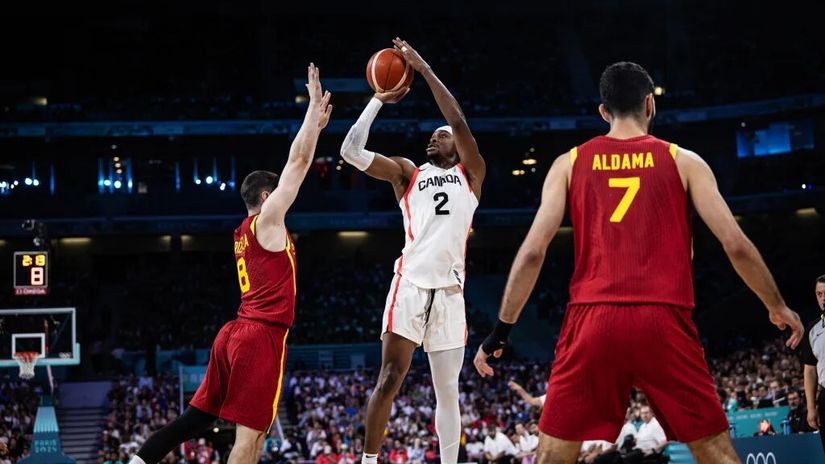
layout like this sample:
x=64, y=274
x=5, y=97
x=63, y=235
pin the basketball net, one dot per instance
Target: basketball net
x=26, y=360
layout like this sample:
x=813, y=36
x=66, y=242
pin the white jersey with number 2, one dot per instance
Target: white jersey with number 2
x=438, y=212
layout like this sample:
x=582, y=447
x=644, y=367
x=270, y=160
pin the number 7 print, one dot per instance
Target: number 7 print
x=632, y=186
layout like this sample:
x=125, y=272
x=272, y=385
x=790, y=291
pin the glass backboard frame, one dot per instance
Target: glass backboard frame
x=73, y=360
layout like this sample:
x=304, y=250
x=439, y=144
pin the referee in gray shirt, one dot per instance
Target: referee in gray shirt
x=812, y=350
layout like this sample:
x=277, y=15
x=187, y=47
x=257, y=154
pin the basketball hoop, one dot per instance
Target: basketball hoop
x=26, y=360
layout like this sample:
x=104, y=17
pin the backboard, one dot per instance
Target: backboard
x=51, y=332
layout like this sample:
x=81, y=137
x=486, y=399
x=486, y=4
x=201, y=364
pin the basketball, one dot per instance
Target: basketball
x=388, y=71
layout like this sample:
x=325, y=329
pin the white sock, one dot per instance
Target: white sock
x=368, y=458
x=137, y=460
x=446, y=367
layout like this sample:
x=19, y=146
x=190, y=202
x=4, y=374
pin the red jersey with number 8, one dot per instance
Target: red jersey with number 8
x=631, y=223
x=267, y=279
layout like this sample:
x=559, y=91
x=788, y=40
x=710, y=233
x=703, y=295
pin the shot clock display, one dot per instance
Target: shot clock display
x=31, y=272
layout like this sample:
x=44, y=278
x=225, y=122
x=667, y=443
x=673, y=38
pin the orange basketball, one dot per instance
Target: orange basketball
x=387, y=70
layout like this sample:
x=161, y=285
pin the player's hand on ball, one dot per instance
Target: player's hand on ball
x=813, y=419
x=412, y=56
x=785, y=317
x=480, y=362
x=392, y=96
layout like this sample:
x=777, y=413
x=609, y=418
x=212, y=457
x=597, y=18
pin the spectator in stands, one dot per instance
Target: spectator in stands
x=762, y=400
x=730, y=403
x=111, y=458
x=327, y=456
x=415, y=452
x=777, y=395
x=599, y=452
x=346, y=456
x=398, y=454
x=315, y=439
x=330, y=405
x=592, y=449
x=475, y=446
x=650, y=440
x=528, y=441
x=525, y=453
x=797, y=414
x=137, y=411
x=432, y=456
x=4, y=452
x=498, y=449
x=629, y=428
x=18, y=407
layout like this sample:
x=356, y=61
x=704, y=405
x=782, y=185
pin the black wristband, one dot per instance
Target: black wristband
x=497, y=339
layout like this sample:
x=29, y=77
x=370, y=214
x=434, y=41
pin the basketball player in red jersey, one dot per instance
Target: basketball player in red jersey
x=630, y=198
x=425, y=304
x=244, y=377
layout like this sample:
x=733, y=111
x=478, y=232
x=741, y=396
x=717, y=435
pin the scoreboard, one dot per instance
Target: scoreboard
x=31, y=272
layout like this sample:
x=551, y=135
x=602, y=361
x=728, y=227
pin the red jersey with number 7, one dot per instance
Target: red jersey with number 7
x=266, y=278
x=631, y=223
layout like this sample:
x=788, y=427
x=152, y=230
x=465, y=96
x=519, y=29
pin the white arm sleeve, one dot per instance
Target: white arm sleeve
x=352, y=150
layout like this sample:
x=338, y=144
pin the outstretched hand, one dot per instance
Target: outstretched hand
x=480, y=362
x=784, y=317
x=318, y=99
x=412, y=56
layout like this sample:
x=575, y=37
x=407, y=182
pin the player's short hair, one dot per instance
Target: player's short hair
x=255, y=183
x=821, y=279
x=623, y=88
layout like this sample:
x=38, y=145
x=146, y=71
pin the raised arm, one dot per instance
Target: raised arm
x=701, y=186
x=279, y=201
x=395, y=170
x=528, y=262
x=528, y=398
x=464, y=141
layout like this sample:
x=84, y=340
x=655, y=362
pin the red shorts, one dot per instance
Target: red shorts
x=245, y=374
x=604, y=350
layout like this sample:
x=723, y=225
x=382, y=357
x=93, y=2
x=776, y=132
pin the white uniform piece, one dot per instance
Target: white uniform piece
x=816, y=338
x=426, y=299
x=651, y=435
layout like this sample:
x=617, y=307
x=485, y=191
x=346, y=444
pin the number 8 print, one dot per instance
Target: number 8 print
x=243, y=277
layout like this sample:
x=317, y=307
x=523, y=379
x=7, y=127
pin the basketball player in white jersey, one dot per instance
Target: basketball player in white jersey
x=425, y=305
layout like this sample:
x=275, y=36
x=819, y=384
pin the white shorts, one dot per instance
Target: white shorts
x=432, y=317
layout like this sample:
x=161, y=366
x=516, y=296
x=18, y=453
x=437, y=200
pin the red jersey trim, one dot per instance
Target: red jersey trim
x=410, y=185
x=392, y=303
x=467, y=178
x=400, y=264
x=407, y=204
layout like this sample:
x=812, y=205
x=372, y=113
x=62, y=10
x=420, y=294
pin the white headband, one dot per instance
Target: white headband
x=445, y=129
